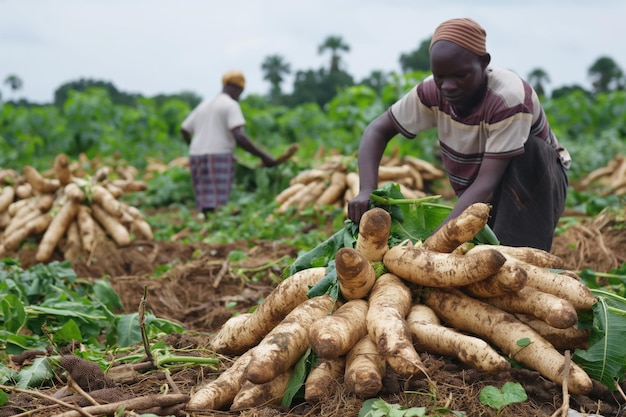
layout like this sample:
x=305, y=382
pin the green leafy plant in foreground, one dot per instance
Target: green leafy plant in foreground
x=375, y=407
x=605, y=357
x=511, y=392
x=48, y=305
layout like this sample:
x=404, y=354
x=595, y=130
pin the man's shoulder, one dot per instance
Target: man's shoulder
x=508, y=86
x=226, y=101
x=503, y=74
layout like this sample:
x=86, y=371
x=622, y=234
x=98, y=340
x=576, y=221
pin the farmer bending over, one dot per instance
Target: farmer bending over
x=496, y=144
x=217, y=126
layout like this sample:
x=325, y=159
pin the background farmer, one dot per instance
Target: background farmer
x=212, y=130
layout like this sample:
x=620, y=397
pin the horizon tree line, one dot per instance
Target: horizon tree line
x=320, y=85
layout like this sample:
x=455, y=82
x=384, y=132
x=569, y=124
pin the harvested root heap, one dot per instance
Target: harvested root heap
x=68, y=209
x=333, y=183
x=611, y=178
x=481, y=305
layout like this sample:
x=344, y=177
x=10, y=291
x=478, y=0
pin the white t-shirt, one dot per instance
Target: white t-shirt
x=210, y=124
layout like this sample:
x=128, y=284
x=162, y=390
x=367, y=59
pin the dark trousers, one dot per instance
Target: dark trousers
x=531, y=197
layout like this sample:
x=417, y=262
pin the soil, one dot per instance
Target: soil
x=200, y=288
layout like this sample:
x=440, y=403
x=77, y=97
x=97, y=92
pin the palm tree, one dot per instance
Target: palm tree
x=335, y=44
x=14, y=82
x=537, y=78
x=606, y=75
x=274, y=69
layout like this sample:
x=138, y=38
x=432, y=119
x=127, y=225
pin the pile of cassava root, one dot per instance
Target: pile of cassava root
x=67, y=209
x=444, y=296
x=611, y=178
x=331, y=182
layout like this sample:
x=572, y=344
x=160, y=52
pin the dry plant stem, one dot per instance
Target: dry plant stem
x=142, y=325
x=78, y=411
x=75, y=387
x=221, y=273
x=171, y=381
x=621, y=391
x=140, y=403
x=37, y=410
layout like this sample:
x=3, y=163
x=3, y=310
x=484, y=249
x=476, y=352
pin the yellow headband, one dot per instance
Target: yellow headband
x=234, y=77
x=464, y=32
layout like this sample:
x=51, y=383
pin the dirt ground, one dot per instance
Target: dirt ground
x=200, y=289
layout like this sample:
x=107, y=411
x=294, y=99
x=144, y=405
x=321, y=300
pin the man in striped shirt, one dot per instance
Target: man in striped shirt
x=496, y=144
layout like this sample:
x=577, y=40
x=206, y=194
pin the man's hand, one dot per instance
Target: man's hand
x=269, y=161
x=358, y=206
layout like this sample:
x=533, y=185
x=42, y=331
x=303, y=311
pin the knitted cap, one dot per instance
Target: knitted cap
x=464, y=32
x=234, y=77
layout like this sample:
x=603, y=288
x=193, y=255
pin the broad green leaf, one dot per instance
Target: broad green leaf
x=511, y=392
x=7, y=375
x=325, y=252
x=17, y=343
x=410, y=219
x=165, y=326
x=327, y=285
x=36, y=374
x=69, y=311
x=106, y=295
x=68, y=332
x=376, y=407
x=13, y=314
x=4, y=398
x=297, y=378
x=128, y=332
x=605, y=357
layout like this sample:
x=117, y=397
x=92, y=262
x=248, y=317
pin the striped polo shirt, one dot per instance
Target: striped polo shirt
x=508, y=114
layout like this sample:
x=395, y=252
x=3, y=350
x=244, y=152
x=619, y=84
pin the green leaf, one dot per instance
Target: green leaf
x=237, y=255
x=325, y=252
x=128, y=332
x=410, y=219
x=68, y=332
x=327, y=285
x=36, y=374
x=605, y=357
x=13, y=314
x=65, y=312
x=4, y=398
x=486, y=236
x=164, y=325
x=366, y=407
x=298, y=377
x=106, y=295
x=511, y=392
x=376, y=407
x=17, y=343
x=7, y=375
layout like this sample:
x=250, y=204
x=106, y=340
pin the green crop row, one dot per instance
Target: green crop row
x=592, y=127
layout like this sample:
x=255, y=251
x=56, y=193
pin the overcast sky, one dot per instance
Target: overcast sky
x=166, y=46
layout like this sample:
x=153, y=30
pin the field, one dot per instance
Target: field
x=203, y=285
x=192, y=275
